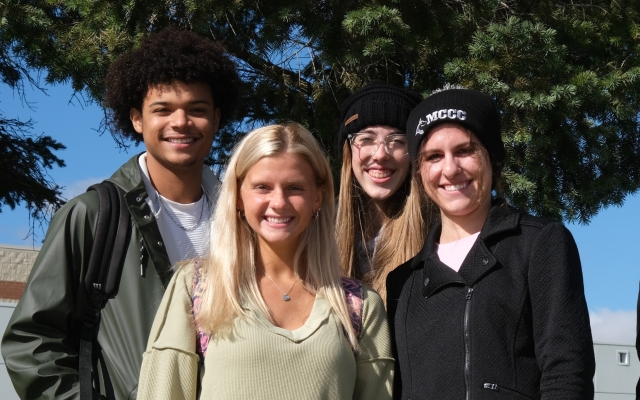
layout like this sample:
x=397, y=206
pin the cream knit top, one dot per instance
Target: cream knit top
x=263, y=361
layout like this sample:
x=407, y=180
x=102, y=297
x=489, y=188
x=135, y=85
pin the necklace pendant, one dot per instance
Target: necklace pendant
x=286, y=297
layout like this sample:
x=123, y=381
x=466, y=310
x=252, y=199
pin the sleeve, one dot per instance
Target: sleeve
x=170, y=364
x=41, y=342
x=374, y=360
x=561, y=328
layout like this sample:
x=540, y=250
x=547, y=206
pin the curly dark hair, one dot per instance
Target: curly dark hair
x=162, y=58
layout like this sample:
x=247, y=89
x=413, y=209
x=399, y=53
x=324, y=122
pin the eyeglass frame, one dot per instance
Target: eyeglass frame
x=378, y=141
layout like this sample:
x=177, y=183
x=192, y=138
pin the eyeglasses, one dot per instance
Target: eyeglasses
x=368, y=144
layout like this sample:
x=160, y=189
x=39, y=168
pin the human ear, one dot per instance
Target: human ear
x=239, y=202
x=216, y=119
x=319, y=196
x=136, y=119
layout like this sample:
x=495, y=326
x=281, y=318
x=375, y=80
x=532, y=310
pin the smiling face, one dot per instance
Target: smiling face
x=177, y=123
x=456, y=173
x=380, y=175
x=279, y=195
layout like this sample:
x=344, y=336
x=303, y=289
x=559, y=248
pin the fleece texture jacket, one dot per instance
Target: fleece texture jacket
x=512, y=323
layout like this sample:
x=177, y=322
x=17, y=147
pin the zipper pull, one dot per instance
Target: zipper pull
x=469, y=293
x=492, y=386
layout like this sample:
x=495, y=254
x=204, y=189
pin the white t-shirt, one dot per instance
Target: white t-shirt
x=453, y=254
x=181, y=244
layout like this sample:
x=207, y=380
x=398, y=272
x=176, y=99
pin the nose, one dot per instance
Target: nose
x=381, y=152
x=179, y=119
x=450, y=166
x=278, y=199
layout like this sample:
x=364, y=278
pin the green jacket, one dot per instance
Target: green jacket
x=40, y=345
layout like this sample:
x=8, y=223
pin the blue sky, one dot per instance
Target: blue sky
x=611, y=272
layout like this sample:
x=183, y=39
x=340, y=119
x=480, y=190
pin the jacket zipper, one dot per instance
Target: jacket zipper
x=497, y=388
x=467, y=345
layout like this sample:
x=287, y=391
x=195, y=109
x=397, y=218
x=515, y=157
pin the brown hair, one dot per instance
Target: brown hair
x=403, y=230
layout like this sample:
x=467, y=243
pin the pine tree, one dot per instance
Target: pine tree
x=564, y=75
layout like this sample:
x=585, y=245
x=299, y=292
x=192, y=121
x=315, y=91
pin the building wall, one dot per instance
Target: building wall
x=15, y=265
x=6, y=388
x=617, y=371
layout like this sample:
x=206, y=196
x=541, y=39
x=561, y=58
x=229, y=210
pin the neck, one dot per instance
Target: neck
x=375, y=218
x=458, y=227
x=181, y=186
x=275, y=263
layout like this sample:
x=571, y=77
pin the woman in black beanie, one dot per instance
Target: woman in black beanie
x=380, y=221
x=493, y=305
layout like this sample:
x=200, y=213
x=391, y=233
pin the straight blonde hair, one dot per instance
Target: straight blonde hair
x=404, y=226
x=229, y=270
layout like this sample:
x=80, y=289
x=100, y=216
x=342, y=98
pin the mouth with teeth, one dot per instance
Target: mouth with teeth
x=278, y=220
x=181, y=140
x=380, y=173
x=453, y=188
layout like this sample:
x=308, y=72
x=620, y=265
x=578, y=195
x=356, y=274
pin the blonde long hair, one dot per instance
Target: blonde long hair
x=229, y=271
x=404, y=226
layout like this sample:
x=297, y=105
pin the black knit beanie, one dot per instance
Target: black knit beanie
x=473, y=110
x=376, y=103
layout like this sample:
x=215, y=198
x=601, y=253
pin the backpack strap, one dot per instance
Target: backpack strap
x=102, y=277
x=353, y=293
x=202, y=338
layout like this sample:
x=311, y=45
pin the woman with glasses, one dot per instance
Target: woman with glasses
x=380, y=220
x=493, y=306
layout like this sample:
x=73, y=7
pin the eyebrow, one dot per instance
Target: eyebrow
x=467, y=145
x=394, y=132
x=166, y=103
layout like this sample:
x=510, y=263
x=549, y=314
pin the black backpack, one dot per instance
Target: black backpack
x=102, y=278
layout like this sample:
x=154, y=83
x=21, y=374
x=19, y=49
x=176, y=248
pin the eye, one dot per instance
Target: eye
x=365, y=139
x=433, y=157
x=397, y=140
x=261, y=188
x=296, y=188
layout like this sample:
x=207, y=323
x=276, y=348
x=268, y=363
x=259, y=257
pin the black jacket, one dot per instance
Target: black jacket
x=512, y=323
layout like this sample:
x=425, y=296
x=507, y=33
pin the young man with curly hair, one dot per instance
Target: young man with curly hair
x=173, y=93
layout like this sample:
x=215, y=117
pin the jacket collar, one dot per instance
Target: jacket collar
x=129, y=177
x=479, y=262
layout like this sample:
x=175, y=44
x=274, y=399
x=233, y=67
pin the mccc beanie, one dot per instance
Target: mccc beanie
x=376, y=103
x=472, y=109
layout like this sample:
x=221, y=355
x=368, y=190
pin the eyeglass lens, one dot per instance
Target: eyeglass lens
x=395, y=145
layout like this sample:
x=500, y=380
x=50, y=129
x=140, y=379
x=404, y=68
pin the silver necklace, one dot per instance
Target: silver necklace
x=285, y=296
x=186, y=229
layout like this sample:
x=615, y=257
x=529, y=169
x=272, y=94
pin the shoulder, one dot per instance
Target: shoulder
x=397, y=278
x=372, y=303
x=371, y=299
x=188, y=274
x=536, y=222
x=505, y=221
x=79, y=210
x=210, y=182
x=543, y=229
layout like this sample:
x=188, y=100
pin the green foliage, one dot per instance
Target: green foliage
x=25, y=159
x=565, y=75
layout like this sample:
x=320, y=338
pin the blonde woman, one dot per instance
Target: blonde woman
x=268, y=303
x=381, y=214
